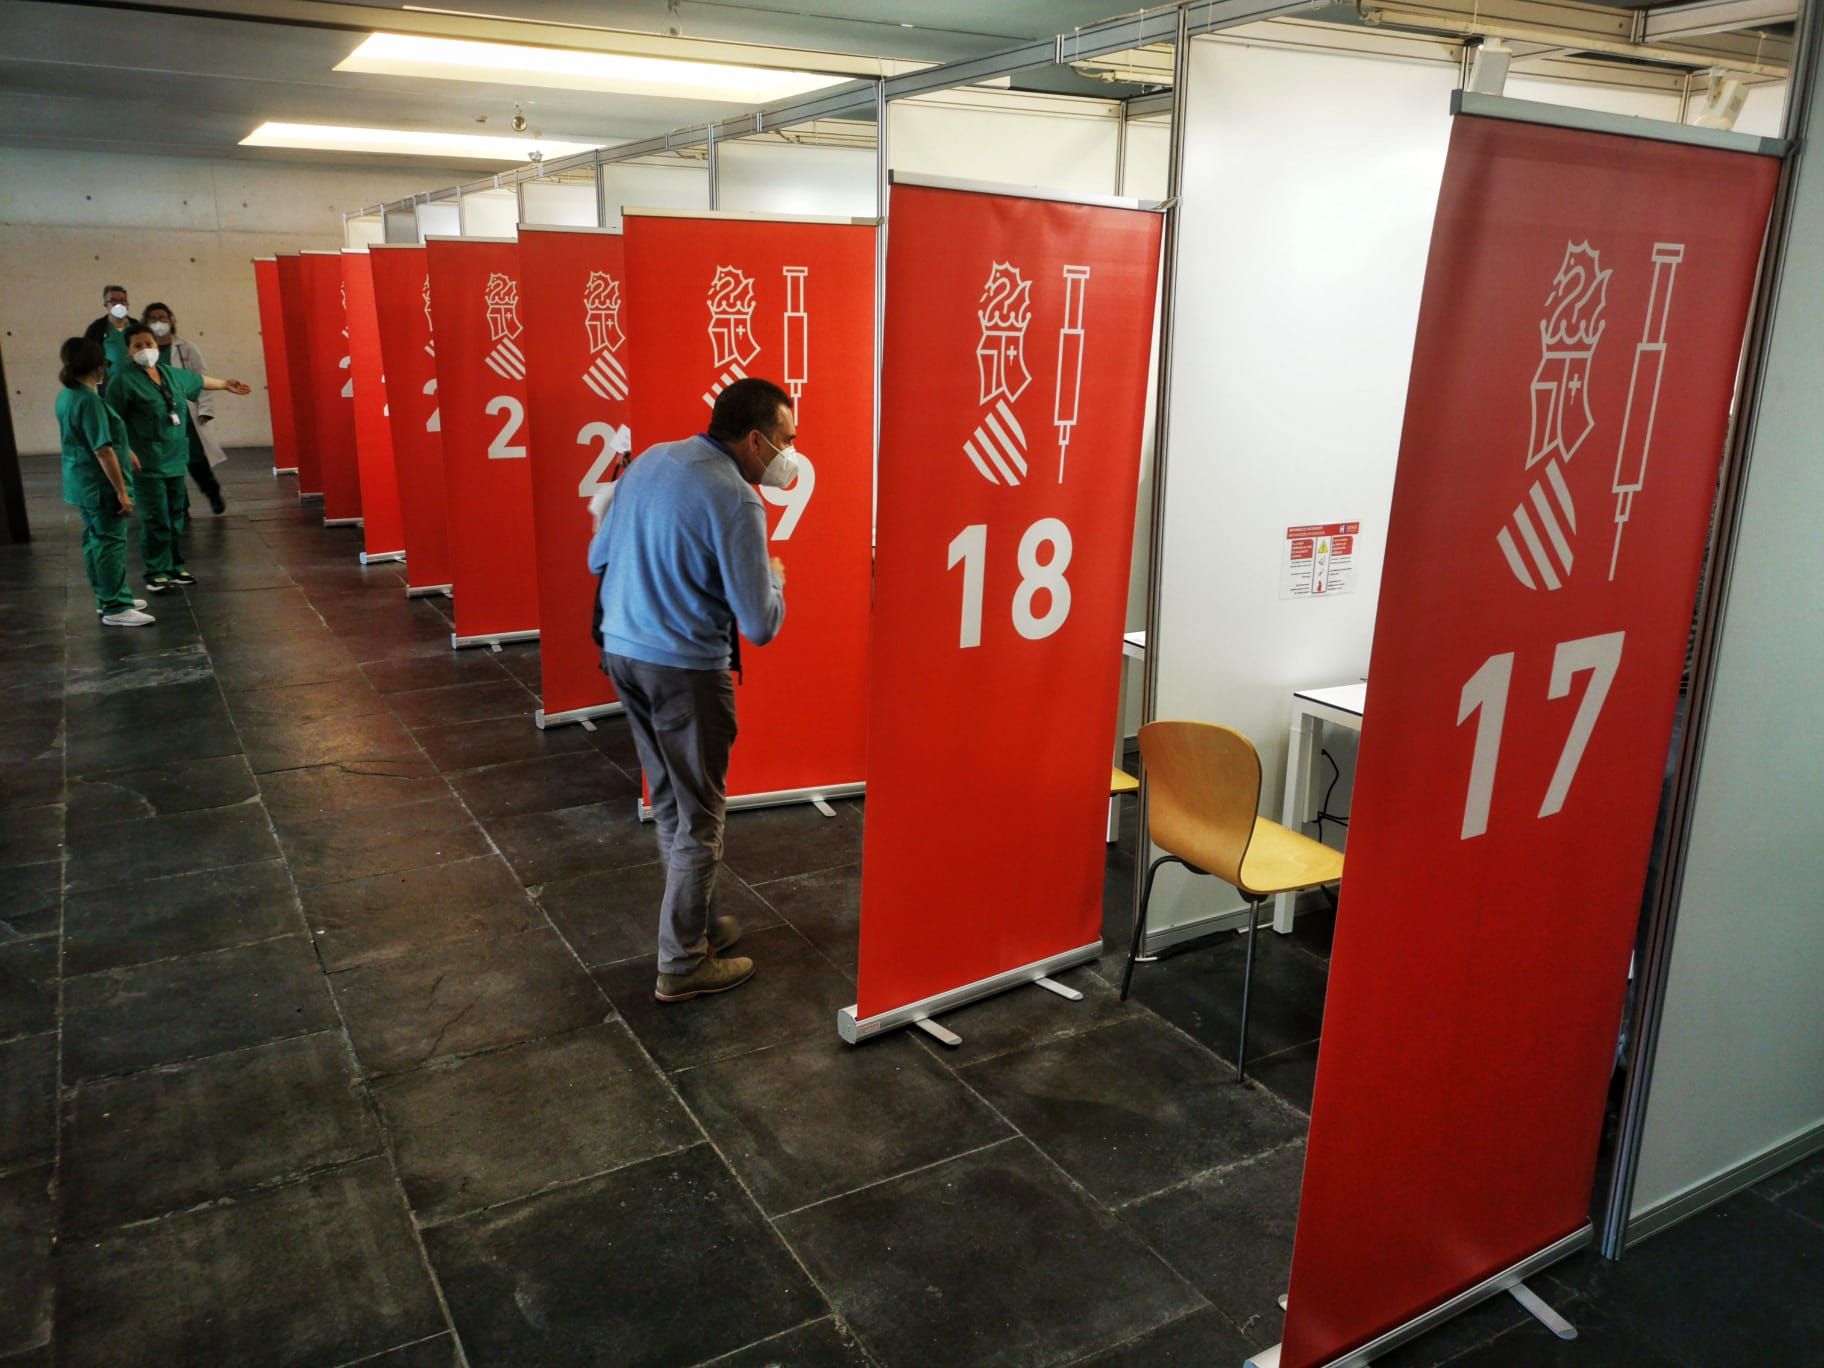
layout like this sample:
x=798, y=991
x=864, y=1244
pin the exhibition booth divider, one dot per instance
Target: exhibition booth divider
x=331, y=390
x=572, y=298
x=382, y=536
x=481, y=384
x=714, y=297
x=1524, y=354
x=278, y=374
x=402, y=303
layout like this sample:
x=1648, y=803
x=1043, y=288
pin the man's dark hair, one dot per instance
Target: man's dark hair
x=157, y=307
x=745, y=405
x=137, y=329
x=81, y=357
x=107, y=290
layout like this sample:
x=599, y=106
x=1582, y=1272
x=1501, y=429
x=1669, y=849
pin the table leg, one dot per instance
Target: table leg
x=1294, y=803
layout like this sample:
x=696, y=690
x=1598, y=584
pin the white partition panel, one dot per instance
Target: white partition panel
x=1310, y=186
x=995, y=135
x=1641, y=103
x=1738, y=1077
x=363, y=230
x=441, y=219
x=786, y=178
x=1149, y=154
x=491, y=214
x=560, y=204
x=642, y=185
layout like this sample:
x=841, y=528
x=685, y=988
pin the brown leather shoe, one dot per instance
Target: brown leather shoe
x=712, y=975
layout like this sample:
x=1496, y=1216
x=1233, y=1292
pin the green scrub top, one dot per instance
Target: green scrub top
x=157, y=416
x=88, y=423
x=114, y=346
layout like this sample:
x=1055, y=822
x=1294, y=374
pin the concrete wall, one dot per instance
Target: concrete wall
x=177, y=229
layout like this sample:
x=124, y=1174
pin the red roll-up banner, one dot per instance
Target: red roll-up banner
x=278, y=374
x=481, y=382
x=332, y=390
x=1578, y=338
x=292, y=295
x=402, y=305
x=1012, y=403
x=571, y=283
x=382, y=536
x=712, y=298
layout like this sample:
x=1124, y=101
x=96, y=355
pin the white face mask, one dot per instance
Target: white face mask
x=161, y=329
x=782, y=469
x=117, y=310
x=146, y=356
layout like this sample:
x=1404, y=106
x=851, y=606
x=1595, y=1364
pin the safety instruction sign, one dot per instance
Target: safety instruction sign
x=1318, y=560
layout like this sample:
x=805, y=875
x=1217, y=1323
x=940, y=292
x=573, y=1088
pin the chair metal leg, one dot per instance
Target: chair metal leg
x=1247, y=983
x=1146, y=896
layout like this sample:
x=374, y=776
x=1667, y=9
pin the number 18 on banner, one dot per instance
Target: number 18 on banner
x=1018, y=331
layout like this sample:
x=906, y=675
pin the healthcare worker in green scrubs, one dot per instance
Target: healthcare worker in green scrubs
x=182, y=352
x=111, y=328
x=154, y=401
x=95, y=480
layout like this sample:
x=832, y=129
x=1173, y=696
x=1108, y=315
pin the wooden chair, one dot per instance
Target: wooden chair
x=1203, y=800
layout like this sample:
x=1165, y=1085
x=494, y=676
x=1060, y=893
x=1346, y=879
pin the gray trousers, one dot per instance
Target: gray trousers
x=684, y=725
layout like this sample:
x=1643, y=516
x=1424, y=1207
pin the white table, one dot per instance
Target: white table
x=1133, y=647
x=1341, y=706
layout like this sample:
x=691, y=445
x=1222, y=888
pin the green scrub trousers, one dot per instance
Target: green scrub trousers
x=104, y=556
x=163, y=505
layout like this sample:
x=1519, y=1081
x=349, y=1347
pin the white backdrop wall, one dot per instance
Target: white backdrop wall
x=1739, y=1071
x=640, y=185
x=560, y=204
x=442, y=219
x=1310, y=186
x=178, y=229
x=364, y=230
x=998, y=135
x=785, y=178
x=490, y=214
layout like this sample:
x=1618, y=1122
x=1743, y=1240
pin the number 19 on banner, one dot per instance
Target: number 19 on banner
x=969, y=548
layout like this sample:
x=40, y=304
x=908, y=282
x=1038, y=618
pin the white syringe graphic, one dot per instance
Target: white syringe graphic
x=797, y=333
x=1070, y=360
x=1643, y=398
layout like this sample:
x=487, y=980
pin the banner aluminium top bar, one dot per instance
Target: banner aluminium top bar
x=1161, y=25
x=1627, y=126
x=976, y=187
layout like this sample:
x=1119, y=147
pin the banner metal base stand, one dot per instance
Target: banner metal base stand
x=542, y=719
x=854, y=1029
x=341, y=522
x=375, y=557
x=426, y=590
x=784, y=798
x=1511, y=1280
x=310, y=498
x=494, y=639
x=284, y=470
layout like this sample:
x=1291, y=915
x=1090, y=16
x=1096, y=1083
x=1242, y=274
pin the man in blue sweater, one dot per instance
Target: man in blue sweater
x=683, y=558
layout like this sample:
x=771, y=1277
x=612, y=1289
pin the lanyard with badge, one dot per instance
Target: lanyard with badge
x=169, y=395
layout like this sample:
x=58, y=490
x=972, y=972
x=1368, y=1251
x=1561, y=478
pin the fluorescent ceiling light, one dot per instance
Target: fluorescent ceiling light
x=407, y=142
x=461, y=59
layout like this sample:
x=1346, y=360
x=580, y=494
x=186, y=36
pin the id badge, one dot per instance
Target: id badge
x=175, y=420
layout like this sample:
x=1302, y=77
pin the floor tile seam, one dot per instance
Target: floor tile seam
x=386, y=1078
x=229, y=1197
x=547, y=1189
x=1092, y=1354
x=91, y=890
x=39, y=1159
x=1228, y=1064
x=387, y=957
x=833, y=1317
x=800, y=874
x=302, y=930
x=389, y=1154
x=1234, y=1166
x=791, y=1250
x=949, y=1057
x=177, y=1066
x=393, y=1349
x=59, y=1114
x=156, y=816
x=1095, y=1203
x=70, y=1087
x=1011, y=1136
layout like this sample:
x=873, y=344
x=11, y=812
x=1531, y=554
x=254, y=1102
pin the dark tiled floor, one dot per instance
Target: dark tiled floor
x=327, y=1036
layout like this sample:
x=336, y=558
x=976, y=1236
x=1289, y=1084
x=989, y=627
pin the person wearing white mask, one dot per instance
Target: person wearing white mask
x=111, y=328
x=153, y=400
x=682, y=556
x=205, y=452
